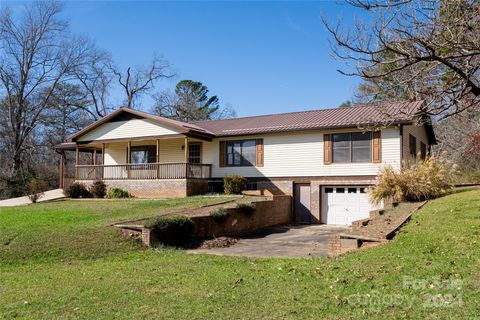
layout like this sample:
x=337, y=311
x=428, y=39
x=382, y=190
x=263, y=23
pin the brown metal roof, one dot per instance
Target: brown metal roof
x=356, y=116
x=361, y=115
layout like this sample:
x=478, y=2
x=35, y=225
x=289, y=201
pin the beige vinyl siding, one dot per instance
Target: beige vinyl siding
x=301, y=154
x=285, y=155
x=419, y=133
x=115, y=154
x=127, y=129
x=170, y=151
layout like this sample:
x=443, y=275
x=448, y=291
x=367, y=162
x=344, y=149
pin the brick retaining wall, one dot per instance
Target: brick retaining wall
x=268, y=213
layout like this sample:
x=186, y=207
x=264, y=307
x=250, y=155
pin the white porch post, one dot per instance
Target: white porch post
x=157, y=159
x=103, y=154
x=103, y=161
x=129, y=157
x=186, y=157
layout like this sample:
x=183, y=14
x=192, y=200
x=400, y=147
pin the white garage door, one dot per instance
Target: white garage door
x=344, y=204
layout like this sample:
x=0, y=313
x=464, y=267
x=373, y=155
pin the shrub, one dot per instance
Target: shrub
x=219, y=214
x=36, y=187
x=118, y=193
x=247, y=209
x=234, y=184
x=171, y=230
x=77, y=190
x=424, y=180
x=98, y=189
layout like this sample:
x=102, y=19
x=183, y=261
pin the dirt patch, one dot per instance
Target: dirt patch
x=221, y=242
x=382, y=225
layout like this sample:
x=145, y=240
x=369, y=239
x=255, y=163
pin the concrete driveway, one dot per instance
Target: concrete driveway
x=47, y=196
x=296, y=241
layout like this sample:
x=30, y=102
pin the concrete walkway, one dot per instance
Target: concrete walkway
x=47, y=196
x=298, y=241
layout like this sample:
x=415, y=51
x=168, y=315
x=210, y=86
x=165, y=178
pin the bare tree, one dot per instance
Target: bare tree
x=457, y=136
x=138, y=81
x=67, y=113
x=226, y=111
x=417, y=49
x=37, y=54
x=95, y=75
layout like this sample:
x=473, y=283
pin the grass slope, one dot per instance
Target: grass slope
x=48, y=276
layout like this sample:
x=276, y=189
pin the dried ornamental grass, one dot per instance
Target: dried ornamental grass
x=426, y=179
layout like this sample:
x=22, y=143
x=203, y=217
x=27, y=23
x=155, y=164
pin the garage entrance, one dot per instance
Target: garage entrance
x=301, y=198
x=343, y=204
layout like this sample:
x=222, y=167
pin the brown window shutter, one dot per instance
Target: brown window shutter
x=259, y=152
x=222, y=153
x=377, y=147
x=327, y=149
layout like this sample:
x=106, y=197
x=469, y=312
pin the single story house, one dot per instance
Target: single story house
x=324, y=158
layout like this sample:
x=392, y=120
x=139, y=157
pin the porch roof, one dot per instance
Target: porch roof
x=73, y=146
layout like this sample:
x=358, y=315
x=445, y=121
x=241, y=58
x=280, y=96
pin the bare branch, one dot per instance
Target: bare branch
x=138, y=81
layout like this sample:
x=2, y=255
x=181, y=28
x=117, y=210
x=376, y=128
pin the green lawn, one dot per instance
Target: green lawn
x=58, y=260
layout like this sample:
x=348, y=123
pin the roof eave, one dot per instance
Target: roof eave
x=349, y=126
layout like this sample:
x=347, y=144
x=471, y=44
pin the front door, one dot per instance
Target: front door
x=301, y=200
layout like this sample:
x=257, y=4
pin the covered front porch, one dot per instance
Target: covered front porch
x=142, y=153
x=135, y=164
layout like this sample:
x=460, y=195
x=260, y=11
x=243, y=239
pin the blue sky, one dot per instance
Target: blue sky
x=261, y=57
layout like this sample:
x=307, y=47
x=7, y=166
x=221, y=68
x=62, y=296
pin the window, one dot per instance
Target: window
x=352, y=147
x=340, y=190
x=195, y=152
x=241, y=153
x=143, y=154
x=412, y=145
x=328, y=190
x=423, y=150
x=352, y=190
x=341, y=147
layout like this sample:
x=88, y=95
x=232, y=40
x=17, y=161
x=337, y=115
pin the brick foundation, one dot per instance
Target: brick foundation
x=197, y=186
x=276, y=187
x=157, y=188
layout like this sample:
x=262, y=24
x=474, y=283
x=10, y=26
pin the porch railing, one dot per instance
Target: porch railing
x=178, y=170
